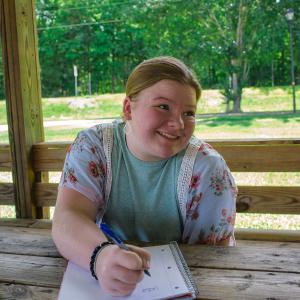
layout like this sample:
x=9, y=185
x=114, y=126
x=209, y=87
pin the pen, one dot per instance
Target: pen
x=116, y=239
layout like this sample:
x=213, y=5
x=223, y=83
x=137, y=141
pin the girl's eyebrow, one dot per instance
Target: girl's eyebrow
x=171, y=100
x=162, y=98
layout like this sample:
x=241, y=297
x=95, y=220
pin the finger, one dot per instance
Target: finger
x=129, y=260
x=143, y=254
x=119, y=288
x=126, y=275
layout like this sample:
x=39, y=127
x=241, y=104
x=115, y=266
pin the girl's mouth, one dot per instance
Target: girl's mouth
x=168, y=136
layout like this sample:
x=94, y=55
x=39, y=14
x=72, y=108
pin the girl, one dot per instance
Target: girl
x=147, y=177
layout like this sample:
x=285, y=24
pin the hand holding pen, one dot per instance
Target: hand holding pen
x=116, y=239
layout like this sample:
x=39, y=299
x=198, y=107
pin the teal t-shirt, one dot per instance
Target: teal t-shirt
x=143, y=203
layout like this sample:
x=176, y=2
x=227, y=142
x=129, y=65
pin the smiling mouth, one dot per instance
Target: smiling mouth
x=168, y=136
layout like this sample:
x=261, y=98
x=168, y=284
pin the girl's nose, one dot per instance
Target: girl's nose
x=176, y=122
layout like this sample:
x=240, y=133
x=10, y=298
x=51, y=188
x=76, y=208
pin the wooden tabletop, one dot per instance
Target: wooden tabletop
x=31, y=268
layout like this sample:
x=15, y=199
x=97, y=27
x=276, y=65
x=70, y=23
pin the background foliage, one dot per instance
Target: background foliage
x=107, y=38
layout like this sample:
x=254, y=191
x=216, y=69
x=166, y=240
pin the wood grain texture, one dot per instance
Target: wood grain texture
x=17, y=222
x=261, y=158
x=269, y=199
x=245, y=155
x=251, y=270
x=283, y=257
x=251, y=199
x=278, y=257
x=246, y=285
x=16, y=240
x=31, y=270
x=5, y=158
x=248, y=156
x=9, y=291
x=279, y=235
x=7, y=194
x=22, y=84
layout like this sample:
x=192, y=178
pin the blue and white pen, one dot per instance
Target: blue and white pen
x=116, y=239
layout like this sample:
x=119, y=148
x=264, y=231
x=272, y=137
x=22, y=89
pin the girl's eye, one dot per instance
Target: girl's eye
x=164, y=106
x=189, y=114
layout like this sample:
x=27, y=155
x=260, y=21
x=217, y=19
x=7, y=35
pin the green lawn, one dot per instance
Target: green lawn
x=212, y=101
x=263, y=125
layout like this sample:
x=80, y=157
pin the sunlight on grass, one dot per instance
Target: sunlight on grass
x=7, y=211
x=267, y=221
x=267, y=178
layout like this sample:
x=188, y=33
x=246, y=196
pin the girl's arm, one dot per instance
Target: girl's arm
x=210, y=207
x=76, y=235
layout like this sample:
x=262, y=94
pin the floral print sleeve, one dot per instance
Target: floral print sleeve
x=85, y=166
x=210, y=210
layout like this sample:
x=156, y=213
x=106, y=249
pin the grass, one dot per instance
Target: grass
x=263, y=125
x=254, y=100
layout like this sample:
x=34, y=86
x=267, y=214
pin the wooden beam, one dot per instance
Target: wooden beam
x=22, y=80
x=251, y=199
x=7, y=194
x=5, y=158
x=249, y=156
x=279, y=235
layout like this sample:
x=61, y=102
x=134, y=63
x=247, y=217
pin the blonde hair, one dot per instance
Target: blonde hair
x=155, y=69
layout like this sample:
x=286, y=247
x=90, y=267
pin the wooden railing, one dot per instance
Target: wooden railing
x=272, y=155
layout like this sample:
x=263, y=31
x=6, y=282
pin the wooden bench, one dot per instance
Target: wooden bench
x=272, y=155
x=31, y=267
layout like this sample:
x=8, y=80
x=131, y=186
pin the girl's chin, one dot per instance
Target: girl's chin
x=167, y=153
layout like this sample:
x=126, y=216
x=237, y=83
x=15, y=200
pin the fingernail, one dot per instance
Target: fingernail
x=147, y=264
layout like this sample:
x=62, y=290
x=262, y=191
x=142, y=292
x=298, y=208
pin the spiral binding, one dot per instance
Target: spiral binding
x=184, y=269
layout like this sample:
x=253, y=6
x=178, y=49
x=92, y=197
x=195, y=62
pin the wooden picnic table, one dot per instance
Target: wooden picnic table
x=31, y=267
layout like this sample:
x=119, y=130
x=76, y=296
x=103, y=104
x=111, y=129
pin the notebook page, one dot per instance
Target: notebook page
x=165, y=282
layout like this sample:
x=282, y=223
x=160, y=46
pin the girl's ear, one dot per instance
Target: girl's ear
x=127, y=108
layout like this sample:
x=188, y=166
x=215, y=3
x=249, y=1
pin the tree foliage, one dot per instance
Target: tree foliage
x=229, y=43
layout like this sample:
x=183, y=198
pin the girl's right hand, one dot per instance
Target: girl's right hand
x=119, y=270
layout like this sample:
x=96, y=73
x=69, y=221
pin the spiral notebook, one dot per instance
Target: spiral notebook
x=170, y=278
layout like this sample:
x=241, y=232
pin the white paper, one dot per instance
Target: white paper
x=165, y=282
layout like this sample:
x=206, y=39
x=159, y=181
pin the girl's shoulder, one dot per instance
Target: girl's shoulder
x=204, y=149
x=206, y=157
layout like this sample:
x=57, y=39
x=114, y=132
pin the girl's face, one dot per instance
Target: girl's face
x=161, y=120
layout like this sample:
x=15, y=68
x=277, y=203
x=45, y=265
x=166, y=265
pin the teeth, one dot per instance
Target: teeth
x=169, y=136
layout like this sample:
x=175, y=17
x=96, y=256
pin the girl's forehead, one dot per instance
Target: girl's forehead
x=170, y=89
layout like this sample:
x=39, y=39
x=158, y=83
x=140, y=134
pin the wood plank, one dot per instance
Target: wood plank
x=254, y=141
x=283, y=257
x=231, y=284
x=261, y=158
x=7, y=194
x=45, y=194
x=236, y=284
x=267, y=235
x=31, y=270
x=251, y=156
x=242, y=235
x=251, y=199
x=49, y=156
x=10, y=291
x=278, y=257
x=5, y=158
x=16, y=240
x=17, y=222
x=22, y=85
x=269, y=199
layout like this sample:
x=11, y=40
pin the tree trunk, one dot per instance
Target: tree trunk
x=238, y=62
x=237, y=103
x=236, y=85
x=272, y=73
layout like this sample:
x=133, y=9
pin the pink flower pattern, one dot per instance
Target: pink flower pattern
x=210, y=204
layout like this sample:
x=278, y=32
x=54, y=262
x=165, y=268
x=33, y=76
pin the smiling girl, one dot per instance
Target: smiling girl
x=147, y=177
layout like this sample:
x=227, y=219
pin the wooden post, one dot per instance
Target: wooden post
x=23, y=94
